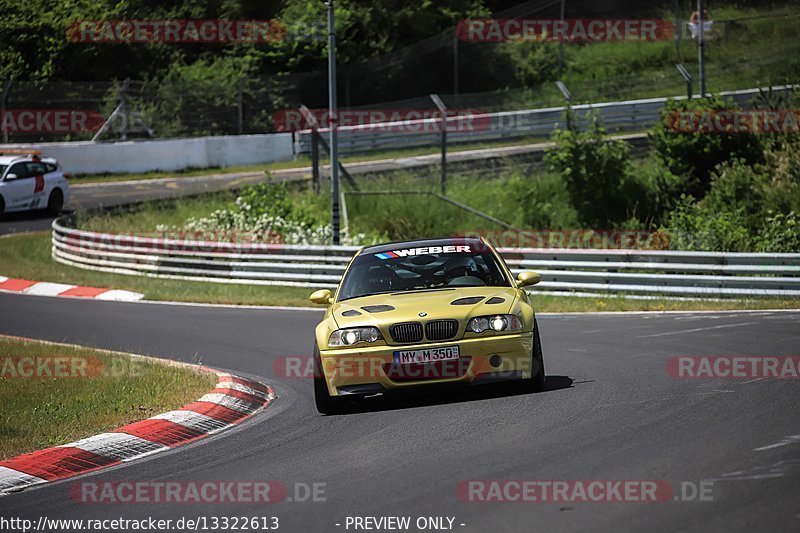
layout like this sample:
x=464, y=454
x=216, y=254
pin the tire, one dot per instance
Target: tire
x=536, y=383
x=55, y=202
x=326, y=404
x=2, y=206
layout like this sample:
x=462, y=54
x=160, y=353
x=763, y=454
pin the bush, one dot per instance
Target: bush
x=660, y=190
x=781, y=234
x=748, y=208
x=263, y=213
x=597, y=175
x=692, y=227
x=695, y=154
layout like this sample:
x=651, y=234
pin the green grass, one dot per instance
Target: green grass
x=40, y=412
x=503, y=195
x=28, y=256
x=144, y=218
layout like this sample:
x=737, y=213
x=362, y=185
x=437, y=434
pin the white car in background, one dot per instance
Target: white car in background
x=29, y=181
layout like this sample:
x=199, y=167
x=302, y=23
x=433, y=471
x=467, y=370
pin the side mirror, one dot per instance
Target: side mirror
x=11, y=176
x=528, y=278
x=322, y=297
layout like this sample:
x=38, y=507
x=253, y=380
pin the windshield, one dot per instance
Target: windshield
x=421, y=269
x=3, y=170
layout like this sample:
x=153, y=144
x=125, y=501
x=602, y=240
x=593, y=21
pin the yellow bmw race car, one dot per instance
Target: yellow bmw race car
x=425, y=313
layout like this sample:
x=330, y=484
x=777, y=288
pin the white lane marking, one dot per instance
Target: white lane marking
x=230, y=402
x=12, y=480
x=752, y=381
x=791, y=439
x=709, y=328
x=772, y=471
x=117, y=295
x=45, y=288
x=195, y=421
x=119, y=446
x=234, y=306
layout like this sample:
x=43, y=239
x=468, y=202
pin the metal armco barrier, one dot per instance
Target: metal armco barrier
x=659, y=273
x=629, y=116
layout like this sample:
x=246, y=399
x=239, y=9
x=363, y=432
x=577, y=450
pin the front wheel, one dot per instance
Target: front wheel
x=326, y=404
x=536, y=383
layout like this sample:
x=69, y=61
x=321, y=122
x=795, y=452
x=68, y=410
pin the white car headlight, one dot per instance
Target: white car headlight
x=496, y=323
x=352, y=336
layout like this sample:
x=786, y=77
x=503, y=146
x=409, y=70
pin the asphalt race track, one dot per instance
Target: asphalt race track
x=611, y=412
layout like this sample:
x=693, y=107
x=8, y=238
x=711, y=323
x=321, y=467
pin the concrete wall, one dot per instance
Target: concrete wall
x=169, y=154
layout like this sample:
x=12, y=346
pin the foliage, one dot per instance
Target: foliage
x=781, y=233
x=693, y=153
x=748, y=208
x=262, y=213
x=543, y=202
x=597, y=175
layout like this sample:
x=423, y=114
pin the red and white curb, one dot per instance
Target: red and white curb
x=45, y=288
x=233, y=400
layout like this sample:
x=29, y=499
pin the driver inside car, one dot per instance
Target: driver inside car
x=463, y=271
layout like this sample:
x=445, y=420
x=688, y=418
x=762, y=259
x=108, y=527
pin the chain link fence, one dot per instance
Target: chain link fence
x=475, y=76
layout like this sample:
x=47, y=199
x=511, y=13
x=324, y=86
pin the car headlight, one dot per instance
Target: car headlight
x=496, y=323
x=352, y=336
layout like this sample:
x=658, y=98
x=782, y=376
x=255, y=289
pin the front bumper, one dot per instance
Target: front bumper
x=370, y=369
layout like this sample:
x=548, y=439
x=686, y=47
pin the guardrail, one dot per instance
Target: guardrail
x=628, y=116
x=661, y=273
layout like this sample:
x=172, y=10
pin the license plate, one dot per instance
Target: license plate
x=427, y=355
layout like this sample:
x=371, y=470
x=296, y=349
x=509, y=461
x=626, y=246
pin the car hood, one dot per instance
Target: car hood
x=391, y=308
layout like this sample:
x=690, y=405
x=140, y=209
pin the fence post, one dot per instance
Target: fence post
x=443, y=110
x=455, y=67
x=240, y=105
x=3, y=99
x=315, y=160
x=123, y=108
x=568, y=97
x=687, y=78
x=311, y=120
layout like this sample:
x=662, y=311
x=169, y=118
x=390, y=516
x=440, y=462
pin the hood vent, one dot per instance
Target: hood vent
x=377, y=308
x=494, y=301
x=467, y=301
